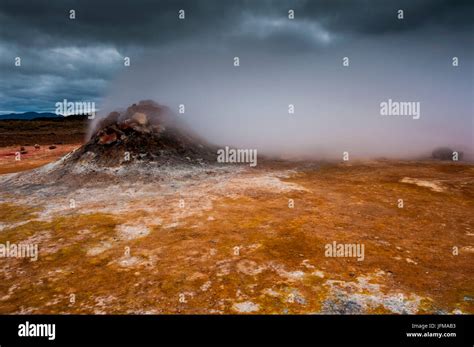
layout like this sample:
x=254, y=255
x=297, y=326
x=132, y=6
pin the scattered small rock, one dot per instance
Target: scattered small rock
x=318, y=273
x=246, y=307
x=130, y=232
x=249, y=267
x=445, y=153
x=206, y=286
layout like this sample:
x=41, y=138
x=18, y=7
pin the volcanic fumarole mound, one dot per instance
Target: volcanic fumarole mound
x=144, y=143
x=144, y=132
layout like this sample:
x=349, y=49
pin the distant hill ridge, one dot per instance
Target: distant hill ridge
x=36, y=115
x=29, y=115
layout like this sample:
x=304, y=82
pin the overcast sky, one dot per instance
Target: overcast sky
x=282, y=61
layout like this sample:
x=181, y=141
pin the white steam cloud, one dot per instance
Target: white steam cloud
x=336, y=108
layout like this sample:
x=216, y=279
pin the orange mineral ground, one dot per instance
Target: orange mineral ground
x=226, y=241
x=11, y=162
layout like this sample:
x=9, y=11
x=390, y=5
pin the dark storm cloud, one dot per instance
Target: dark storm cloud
x=110, y=22
x=75, y=53
x=379, y=17
x=142, y=22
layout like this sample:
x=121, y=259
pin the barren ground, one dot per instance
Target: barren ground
x=49, y=131
x=224, y=240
